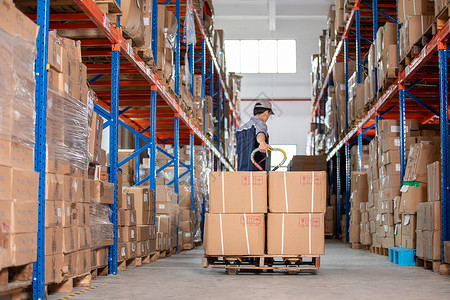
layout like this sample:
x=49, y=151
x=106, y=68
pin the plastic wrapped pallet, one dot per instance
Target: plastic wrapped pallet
x=101, y=227
x=18, y=87
x=67, y=128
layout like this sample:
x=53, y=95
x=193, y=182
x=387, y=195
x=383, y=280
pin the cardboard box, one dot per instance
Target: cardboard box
x=102, y=256
x=122, y=253
x=127, y=234
x=127, y=217
x=101, y=173
x=143, y=232
x=84, y=237
x=297, y=192
x=432, y=245
x=234, y=234
x=72, y=189
x=186, y=215
x=412, y=196
x=53, y=213
x=295, y=234
x=19, y=216
x=429, y=216
x=23, y=248
x=18, y=184
x=16, y=155
x=126, y=201
x=54, y=268
x=420, y=156
x=131, y=249
x=184, y=196
x=165, y=208
x=447, y=252
x=408, y=231
x=102, y=192
x=53, y=240
x=434, y=181
x=143, y=203
x=70, y=264
x=163, y=224
x=238, y=192
x=70, y=236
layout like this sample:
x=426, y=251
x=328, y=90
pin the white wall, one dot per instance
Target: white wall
x=293, y=124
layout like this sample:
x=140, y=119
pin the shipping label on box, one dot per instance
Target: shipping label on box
x=297, y=192
x=238, y=192
x=295, y=234
x=234, y=234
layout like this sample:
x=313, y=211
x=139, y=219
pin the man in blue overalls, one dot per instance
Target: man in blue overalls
x=252, y=135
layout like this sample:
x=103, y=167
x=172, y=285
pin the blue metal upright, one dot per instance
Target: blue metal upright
x=176, y=161
x=375, y=29
x=338, y=193
x=219, y=120
x=191, y=178
x=43, y=18
x=358, y=43
x=347, y=189
x=360, y=135
x=443, y=120
x=346, y=79
x=113, y=151
x=177, y=49
x=402, y=121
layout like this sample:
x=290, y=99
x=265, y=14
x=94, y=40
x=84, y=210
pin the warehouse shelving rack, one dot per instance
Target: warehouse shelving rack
x=420, y=91
x=130, y=95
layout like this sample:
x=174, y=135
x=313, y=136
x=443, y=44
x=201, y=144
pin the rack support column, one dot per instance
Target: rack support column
x=402, y=121
x=360, y=166
x=347, y=190
x=43, y=11
x=176, y=161
x=113, y=150
x=443, y=120
x=338, y=193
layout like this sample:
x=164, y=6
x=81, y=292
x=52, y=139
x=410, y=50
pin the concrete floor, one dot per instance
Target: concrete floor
x=344, y=274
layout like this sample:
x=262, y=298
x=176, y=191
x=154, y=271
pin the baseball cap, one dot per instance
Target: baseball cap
x=264, y=103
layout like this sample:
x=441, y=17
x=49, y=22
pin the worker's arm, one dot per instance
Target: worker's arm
x=261, y=138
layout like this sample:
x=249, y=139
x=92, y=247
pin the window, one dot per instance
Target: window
x=277, y=156
x=261, y=56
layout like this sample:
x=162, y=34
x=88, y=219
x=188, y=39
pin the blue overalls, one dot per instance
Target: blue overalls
x=245, y=144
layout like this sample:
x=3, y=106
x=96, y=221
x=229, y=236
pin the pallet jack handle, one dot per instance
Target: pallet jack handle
x=269, y=149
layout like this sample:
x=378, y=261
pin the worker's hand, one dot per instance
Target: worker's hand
x=263, y=147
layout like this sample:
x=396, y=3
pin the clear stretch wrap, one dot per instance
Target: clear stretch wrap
x=101, y=227
x=67, y=130
x=189, y=25
x=17, y=109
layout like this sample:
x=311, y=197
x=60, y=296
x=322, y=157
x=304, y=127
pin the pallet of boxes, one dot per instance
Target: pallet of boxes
x=18, y=180
x=240, y=233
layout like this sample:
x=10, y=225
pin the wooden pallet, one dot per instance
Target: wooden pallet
x=234, y=263
x=122, y=265
x=22, y=273
x=14, y=281
x=154, y=256
x=99, y=271
x=67, y=285
x=379, y=250
x=143, y=260
x=357, y=246
x=433, y=265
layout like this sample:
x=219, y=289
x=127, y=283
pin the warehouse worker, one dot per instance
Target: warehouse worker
x=252, y=135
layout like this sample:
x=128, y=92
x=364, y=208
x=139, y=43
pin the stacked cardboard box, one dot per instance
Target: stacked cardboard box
x=354, y=158
x=386, y=54
x=358, y=200
x=235, y=224
x=128, y=169
x=300, y=222
x=19, y=182
x=166, y=214
x=414, y=192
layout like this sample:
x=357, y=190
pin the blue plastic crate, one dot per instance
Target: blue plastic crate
x=402, y=256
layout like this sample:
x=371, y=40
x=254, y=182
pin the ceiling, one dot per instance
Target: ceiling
x=237, y=9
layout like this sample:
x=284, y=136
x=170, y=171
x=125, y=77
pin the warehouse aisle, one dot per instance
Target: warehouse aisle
x=344, y=273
